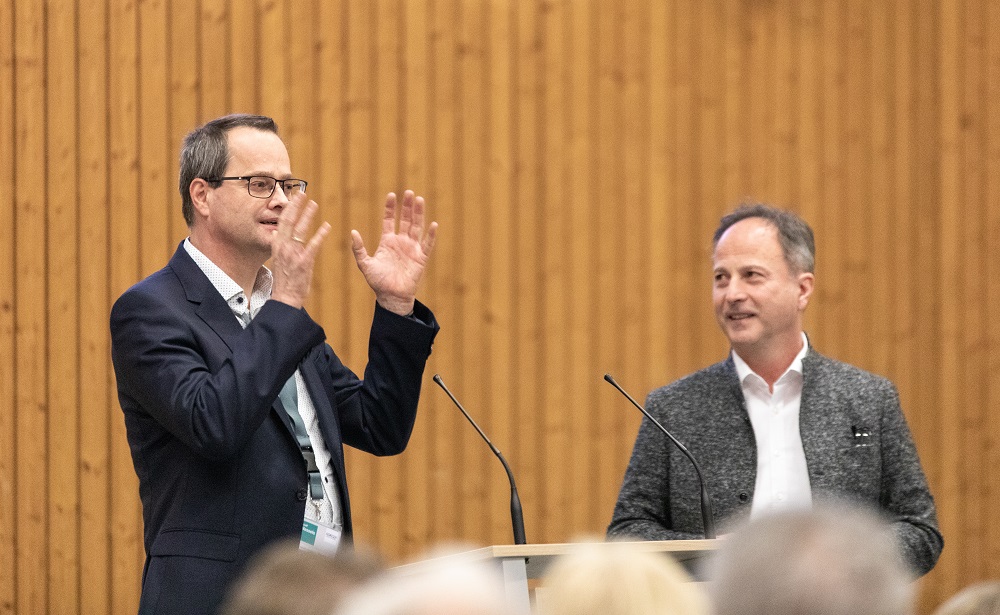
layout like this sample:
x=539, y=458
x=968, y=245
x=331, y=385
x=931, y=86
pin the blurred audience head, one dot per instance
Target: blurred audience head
x=831, y=560
x=979, y=599
x=285, y=580
x=618, y=579
x=456, y=584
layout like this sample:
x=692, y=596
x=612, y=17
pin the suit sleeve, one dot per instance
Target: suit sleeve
x=643, y=507
x=162, y=366
x=377, y=414
x=904, y=491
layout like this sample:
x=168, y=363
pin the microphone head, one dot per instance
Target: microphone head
x=609, y=378
x=437, y=379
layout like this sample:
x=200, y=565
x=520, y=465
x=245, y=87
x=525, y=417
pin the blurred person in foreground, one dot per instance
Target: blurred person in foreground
x=446, y=582
x=236, y=409
x=831, y=560
x=776, y=425
x=618, y=579
x=283, y=579
x=979, y=599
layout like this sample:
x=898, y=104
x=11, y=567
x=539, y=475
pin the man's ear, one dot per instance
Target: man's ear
x=806, y=281
x=199, y=190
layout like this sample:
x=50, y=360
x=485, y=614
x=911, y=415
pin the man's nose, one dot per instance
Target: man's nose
x=278, y=198
x=735, y=291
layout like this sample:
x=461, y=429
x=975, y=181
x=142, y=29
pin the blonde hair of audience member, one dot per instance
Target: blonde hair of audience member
x=978, y=599
x=285, y=580
x=451, y=585
x=831, y=560
x=618, y=579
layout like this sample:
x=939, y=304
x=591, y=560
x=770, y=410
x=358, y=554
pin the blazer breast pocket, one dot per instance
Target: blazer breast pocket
x=861, y=470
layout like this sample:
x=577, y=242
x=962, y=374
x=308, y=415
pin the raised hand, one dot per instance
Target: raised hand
x=292, y=257
x=395, y=269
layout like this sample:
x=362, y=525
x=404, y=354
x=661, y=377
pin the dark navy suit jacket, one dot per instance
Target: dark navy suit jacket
x=220, y=473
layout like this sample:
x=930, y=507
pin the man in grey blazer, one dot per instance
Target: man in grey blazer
x=776, y=426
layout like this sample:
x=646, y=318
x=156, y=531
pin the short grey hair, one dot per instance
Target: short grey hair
x=796, y=237
x=205, y=152
x=831, y=560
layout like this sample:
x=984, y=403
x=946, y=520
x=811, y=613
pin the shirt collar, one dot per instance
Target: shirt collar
x=226, y=286
x=743, y=370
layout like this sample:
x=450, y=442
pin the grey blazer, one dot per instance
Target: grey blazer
x=659, y=498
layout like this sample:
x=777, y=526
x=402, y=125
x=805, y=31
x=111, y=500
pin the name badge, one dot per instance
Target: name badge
x=320, y=538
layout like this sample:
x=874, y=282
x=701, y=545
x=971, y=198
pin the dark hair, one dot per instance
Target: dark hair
x=205, y=152
x=795, y=236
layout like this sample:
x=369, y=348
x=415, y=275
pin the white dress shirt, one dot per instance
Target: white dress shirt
x=782, y=475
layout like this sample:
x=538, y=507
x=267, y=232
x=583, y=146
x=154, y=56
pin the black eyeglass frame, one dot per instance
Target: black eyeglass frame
x=302, y=183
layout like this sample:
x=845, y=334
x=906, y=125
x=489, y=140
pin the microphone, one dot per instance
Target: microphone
x=707, y=517
x=516, y=514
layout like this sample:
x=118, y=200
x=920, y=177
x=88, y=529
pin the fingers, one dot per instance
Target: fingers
x=428, y=242
x=289, y=216
x=417, y=227
x=411, y=218
x=317, y=239
x=305, y=220
x=358, y=246
x=406, y=215
x=389, y=218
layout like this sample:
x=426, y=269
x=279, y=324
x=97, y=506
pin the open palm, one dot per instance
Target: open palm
x=397, y=265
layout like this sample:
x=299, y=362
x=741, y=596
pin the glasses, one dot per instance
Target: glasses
x=262, y=186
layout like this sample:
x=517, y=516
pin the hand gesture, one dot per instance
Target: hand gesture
x=395, y=269
x=292, y=257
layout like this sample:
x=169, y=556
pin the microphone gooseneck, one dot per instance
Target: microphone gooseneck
x=707, y=518
x=516, y=514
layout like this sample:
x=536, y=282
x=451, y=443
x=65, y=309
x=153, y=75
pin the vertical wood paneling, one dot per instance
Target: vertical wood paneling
x=831, y=291
x=420, y=507
x=390, y=143
x=125, y=268
x=972, y=211
x=62, y=314
x=574, y=182
x=247, y=36
x=991, y=422
x=156, y=199
x=880, y=135
x=328, y=187
x=485, y=476
x=604, y=233
x=31, y=399
x=183, y=107
x=552, y=426
x=98, y=404
x=274, y=36
x=212, y=62
x=362, y=84
x=9, y=510
x=530, y=287
x=578, y=156
x=501, y=246
x=949, y=259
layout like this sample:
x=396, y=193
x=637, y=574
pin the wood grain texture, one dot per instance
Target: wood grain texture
x=578, y=155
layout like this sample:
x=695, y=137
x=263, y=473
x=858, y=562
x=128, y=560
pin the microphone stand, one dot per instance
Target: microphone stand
x=516, y=514
x=707, y=518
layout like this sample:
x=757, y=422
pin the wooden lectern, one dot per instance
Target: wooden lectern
x=520, y=563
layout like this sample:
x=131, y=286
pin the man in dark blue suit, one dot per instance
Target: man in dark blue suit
x=236, y=409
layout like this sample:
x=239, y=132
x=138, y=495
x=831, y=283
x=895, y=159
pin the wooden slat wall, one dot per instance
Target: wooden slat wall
x=577, y=154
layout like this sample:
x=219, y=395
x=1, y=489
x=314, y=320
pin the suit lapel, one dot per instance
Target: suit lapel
x=821, y=418
x=211, y=307
x=213, y=310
